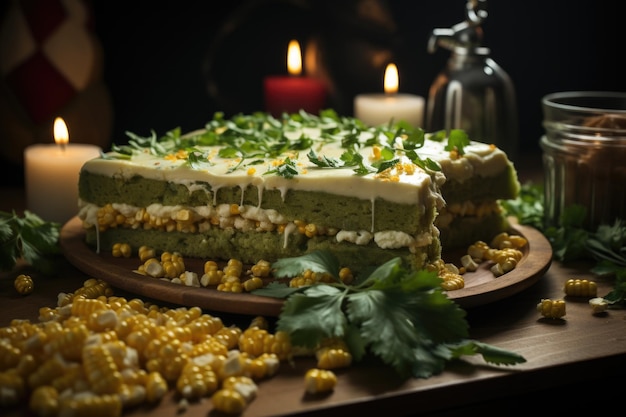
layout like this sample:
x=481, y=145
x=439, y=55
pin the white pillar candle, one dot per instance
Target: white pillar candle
x=51, y=177
x=378, y=108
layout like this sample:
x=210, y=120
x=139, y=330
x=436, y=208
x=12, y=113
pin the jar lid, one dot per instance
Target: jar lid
x=595, y=115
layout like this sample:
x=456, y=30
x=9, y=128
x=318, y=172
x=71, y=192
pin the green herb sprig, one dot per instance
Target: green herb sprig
x=457, y=139
x=402, y=317
x=29, y=238
x=286, y=169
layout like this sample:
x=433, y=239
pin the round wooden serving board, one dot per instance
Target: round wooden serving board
x=481, y=286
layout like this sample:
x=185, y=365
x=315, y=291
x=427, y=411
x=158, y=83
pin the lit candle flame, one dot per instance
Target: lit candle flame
x=61, y=135
x=391, y=79
x=294, y=58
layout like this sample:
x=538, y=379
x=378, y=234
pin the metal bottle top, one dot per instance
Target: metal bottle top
x=472, y=92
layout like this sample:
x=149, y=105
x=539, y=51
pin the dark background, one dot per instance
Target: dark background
x=173, y=64
x=161, y=58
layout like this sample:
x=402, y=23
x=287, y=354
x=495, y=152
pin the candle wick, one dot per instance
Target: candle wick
x=62, y=145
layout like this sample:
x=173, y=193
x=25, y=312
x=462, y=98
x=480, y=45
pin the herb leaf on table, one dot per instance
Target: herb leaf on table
x=29, y=238
x=527, y=207
x=403, y=317
x=571, y=241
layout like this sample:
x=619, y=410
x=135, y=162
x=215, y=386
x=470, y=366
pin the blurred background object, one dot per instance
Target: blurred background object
x=584, y=149
x=347, y=43
x=51, y=65
x=173, y=64
x=472, y=92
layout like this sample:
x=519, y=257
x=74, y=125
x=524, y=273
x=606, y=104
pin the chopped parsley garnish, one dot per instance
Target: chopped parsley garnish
x=352, y=158
x=286, y=169
x=324, y=161
x=197, y=159
x=250, y=139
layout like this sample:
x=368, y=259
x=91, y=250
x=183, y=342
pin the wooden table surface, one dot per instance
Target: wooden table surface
x=567, y=360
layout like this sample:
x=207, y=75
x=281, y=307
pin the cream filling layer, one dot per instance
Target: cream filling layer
x=245, y=219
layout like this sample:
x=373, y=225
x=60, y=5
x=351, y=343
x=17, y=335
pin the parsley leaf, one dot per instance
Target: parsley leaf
x=29, y=238
x=403, y=317
x=286, y=169
x=313, y=315
x=197, y=159
x=354, y=159
x=457, y=139
x=528, y=206
x=324, y=161
x=609, y=243
x=319, y=261
x=617, y=296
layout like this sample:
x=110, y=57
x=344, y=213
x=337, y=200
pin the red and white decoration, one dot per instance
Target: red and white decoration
x=46, y=54
x=51, y=65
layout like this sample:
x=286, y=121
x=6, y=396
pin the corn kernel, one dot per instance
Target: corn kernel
x=252, y=284
x=24, y=284
x=13, y=389
x=44, y=401
x=145, y=253
x=261, y=269
x=552, y=309
x=243, y=385
x=229, y=401
x=581, y=288
x=319, y=380
x=121, y=250
x=333, y=357
x=346, y=276
x=156, y=387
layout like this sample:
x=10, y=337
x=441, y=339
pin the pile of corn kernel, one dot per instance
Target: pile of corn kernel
x=98, y=353
x=504, y=252
x=232, y=277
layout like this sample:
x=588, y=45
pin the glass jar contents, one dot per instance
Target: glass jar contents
x=584, y=155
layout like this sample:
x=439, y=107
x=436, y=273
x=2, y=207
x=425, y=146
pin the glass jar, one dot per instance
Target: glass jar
x=584, y=155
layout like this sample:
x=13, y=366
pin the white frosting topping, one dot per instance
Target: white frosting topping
x=408, y=189
x=479, y=159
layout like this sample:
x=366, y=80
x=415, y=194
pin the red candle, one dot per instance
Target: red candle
x=293, y=92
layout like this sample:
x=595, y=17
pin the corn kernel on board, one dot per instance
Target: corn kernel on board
x=481, y=286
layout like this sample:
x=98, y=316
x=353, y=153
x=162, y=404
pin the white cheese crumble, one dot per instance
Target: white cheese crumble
x=361, y=237
x=390, y=239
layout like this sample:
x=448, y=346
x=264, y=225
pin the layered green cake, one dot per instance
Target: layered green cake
x=475, y=183
x=254, y=187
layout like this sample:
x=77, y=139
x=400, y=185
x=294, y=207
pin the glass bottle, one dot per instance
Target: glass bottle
x=472, y=92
